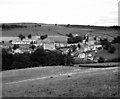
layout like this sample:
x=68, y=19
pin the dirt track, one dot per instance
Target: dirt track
x=112, y=64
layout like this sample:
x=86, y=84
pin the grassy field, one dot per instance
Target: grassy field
x=96, y=83
x=105, y=54
x=52, y=30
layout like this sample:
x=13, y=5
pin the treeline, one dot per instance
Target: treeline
x=12, y=26
x=74, y=39
x=92, y=26
x=116, y=40
x=39, y=58
x=115, y=27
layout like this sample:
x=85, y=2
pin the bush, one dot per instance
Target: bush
x=105, y=43
x=21, y=61
x=116, y=40
x=69, y=35
x=7, y=60
x=111, y=49
x=74, y=39
x=101, y=60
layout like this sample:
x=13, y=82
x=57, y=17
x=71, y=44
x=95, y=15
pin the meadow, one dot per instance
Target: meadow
x=86, y=82
x=59, y=31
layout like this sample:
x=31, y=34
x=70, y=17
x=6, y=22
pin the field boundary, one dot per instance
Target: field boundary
x=109, y=64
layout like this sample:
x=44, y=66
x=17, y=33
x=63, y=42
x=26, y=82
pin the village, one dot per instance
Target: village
x=83, y=50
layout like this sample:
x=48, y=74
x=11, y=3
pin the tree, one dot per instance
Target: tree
x=30, y=36
x=101, y=60
x=15, y=46
x=74, y=48
x=7, y=60
x=21, y=37
x=76, y=39
x=69, y=35
x=105, y=43
x=111, y=49
x=3, y=42
x=55, y=24
x=45, y=36
x=33, y=47
x=79, y=45
x=21, y=61
x=116, y=40
x=10, y=41
x=42, y=37
x=68, y=25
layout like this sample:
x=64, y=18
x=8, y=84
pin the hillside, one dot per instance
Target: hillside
x=14, y=29
x=105, y=54
x=83, y=82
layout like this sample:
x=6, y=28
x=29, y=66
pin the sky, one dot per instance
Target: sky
x=82, y=12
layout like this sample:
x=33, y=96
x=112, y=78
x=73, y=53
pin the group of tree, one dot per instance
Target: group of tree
x=116, y=40
x=107, y=45
x=69, y=35
x=115, y=27
x=21, y=37
x=12, y=26
x=29, y=36
x=40, y=57
x=73, y=39
x=42, y=37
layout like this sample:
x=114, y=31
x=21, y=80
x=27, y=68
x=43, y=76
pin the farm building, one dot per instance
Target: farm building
x=49, y=46
x=24, y=41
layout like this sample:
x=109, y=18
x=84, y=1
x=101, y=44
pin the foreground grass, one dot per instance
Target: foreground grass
x=94, y=84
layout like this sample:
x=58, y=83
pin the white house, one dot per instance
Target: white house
x=18, y=51
x=24, y=41
x=81, y=55
x=49, y=46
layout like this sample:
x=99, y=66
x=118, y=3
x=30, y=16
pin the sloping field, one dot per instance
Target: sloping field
x=22, y=74
x=105, y=54
x=59, y=30
x=80, y=82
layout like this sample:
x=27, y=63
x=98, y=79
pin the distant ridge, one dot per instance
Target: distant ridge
x=65, y=25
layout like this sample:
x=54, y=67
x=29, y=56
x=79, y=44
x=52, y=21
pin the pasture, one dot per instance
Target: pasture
x=61, y=82
x=60, y=31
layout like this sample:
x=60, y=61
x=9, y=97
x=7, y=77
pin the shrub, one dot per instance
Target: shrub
x=15, y=46
x=101, y=60
x=7, y=60
x=30, y=36
x=69, y=35
x=111, y=49
x=74, y=39
x=21, y=37
x=21, y=61
x=116, y=40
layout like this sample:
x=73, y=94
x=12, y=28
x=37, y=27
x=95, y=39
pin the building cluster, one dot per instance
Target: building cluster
x=85, y=50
